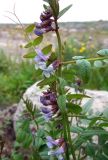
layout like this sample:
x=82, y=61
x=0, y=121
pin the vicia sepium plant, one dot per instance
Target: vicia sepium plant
x=64, y=129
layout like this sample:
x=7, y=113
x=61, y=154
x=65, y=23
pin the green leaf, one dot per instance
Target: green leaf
x=102, y=139
x=105, y=61
x=52, y=57
x=105, y=149
x=25, y=125
x=75, y=129
x=93, y=121
x=62, y=102
x=20, y=136
x=73, y=108
x=47, y=49
x=78, y=57
x=103, y=52
x=100, y=156
x=27, y=140
x=68, y=74
x=87, y=106
x=30, y=55
x=62, y=83
x=40, y=133
x=62, y=12
x=30, y=28
x=103, y=125
x=98, y=64
x=28, y=45
x=37, y=40
x=105, y=113
x=39, y=142
x=86, y=135
x=54, y=4
x=17, y=156
x=47, y=81
x=44, y=155
x=77, y=142
x=92, y=132
x=90, y=148
x=84, y=69
x=76, y=96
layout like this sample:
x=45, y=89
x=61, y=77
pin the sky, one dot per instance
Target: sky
x=29, y=11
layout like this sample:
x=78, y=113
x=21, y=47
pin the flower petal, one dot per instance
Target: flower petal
x=38, y=32
x=40, y=65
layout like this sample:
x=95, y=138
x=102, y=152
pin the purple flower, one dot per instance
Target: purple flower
x=40, y=56
x=39, y=31
x=48, y=71
x=50, y=112
x=40, y=59
x=50, y=108
x=48, y=98
x=46, y=23
x=40, y=65
x=46, y=15
x=47, y=113
x=57, y=147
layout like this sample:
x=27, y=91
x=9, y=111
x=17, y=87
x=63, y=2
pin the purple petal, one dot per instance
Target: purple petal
x=56, y=152
x=59, y=151
x=48, y=116
x=45, y=110
x=38, y=32
x=37, y=59
x=45, y=101
x=53, y=97
x=40, y=65
x=51, y=140
x=41, y=55
x=60, y=157
x=48, y=71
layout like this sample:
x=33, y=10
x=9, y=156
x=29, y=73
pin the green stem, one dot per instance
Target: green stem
x=67, y=135
x=85, y=117
x=89, y=59
x=59, y=74
x=70, y=139
x=59, y=42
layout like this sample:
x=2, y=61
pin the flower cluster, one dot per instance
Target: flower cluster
x=41, y=60
x=57, y=147
x=50, y=108
x=46, y=23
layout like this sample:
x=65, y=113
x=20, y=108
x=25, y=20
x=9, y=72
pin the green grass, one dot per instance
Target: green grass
x=15, y=78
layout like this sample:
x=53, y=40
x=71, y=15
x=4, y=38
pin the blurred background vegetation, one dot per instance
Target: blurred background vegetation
x=15, y=78
x=17, y=74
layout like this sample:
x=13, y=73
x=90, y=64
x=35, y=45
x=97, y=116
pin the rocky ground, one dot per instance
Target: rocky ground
x=9, y=116
x=12, y=36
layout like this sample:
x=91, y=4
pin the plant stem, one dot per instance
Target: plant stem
x=67, y=135
x=70, y=139
x=59, y=74
x=59, y=41
x=89, y=59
